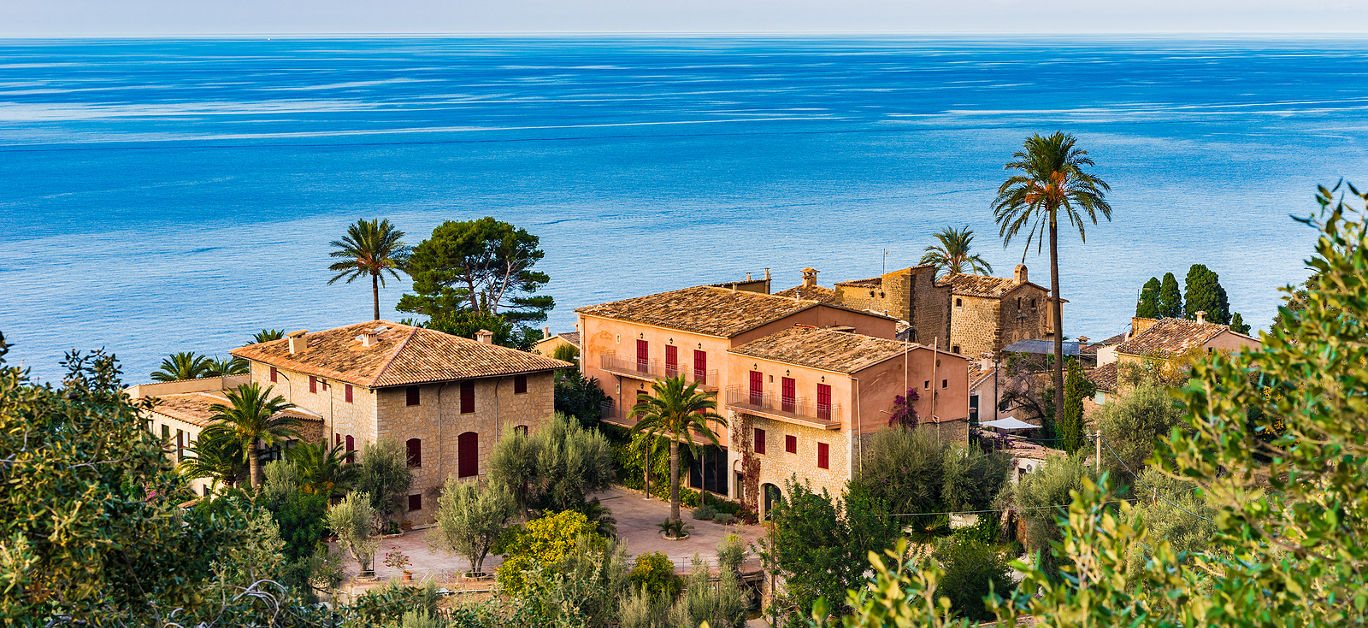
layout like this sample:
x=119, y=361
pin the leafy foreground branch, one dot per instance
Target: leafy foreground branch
x=1289, y=510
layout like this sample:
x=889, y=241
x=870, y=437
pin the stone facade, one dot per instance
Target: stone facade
x=778, y=466
x=911, y=295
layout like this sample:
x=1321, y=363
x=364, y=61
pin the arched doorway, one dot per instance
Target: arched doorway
x=468, y=455
x=772, y=496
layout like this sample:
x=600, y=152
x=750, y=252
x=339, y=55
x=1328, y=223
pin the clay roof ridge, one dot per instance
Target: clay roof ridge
x=380, y=372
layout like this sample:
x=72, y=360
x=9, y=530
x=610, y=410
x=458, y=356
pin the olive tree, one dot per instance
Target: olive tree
x=471, y=516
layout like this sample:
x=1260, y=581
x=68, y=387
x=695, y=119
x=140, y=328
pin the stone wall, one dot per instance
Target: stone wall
x=910, y=294
x=974, y=325
x=777, y=466
x=1025, y=315
x=340, y=419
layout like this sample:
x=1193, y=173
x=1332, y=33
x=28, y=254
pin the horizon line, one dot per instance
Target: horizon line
x=1296, y=35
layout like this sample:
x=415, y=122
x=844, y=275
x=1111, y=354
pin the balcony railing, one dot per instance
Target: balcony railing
x=655, y=369
x=802, y=410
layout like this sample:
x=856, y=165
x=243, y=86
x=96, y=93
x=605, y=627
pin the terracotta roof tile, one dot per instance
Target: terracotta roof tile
x=702, y=309
x=1171, y=337
x=815, y=293
x=194, y=408
x=572, y=337
x=978, y=285
x=401, y=355
x=827, y=349
x=872, y=282
x=1104, y=377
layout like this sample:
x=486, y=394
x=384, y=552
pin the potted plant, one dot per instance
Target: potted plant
x=399, y=561
x=674, y=529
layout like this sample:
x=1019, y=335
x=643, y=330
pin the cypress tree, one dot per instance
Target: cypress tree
x=1237, y=324
x=1148, y=306
x=1205, y=294
x=1170, y=299
x=1070, y=427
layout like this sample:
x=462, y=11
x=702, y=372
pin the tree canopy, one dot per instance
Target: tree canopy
x=1148, y=305
x=951, y=253
x=1205, y=294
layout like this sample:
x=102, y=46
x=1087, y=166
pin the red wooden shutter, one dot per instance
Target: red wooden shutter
x=700, y=366
x=313, y=384
x=274, y=375
x=823, y=456
x=671, y=360
x=789, y=390
x=519, y=384
x=642, y=356
x=757, y=388
x=824, y=402
x=414, y=448
x=348, y=393
x=791, y=444
x=468, y=455
x=759, y=441
x=467, y=397
x=351, y=443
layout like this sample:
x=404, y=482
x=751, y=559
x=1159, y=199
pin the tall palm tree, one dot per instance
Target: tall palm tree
x=254, y=417
x=226, y=366
x=677, y=411
x=216, y=455
x=323, y=469
x=951, y=255
x=370, y=248
x=1053, y=181
x=267, y=335
x=183, y=365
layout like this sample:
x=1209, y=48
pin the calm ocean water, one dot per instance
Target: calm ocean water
x=167, y=195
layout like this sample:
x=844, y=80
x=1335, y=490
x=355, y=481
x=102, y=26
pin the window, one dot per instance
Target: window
x=959, y=302
x=180, y=445
x=351, y=444
x=709, y=470
x=926, y=385
x=945, y=383
x=973, y=409
x=823, y=456
x=467, y=397
x=313, y=384
x=954, y=349
x=1033, y=304
x=274, y=375
x=701, y=366
x=789, y=397
x=414, y=448
x=757, y=388
x=1018, y=303
x=412, y=396
x=468, y=455
x=759, y=441
x=347, y=393
x=671, y=360
x=166, y=432
x=415, y=502
x=520, y=429
x=824, y=402
x=337, y=438
x=642, y=356
x=791, y=444
x=519, y=384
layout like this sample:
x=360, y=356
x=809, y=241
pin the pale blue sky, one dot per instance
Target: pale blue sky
x=42, y=18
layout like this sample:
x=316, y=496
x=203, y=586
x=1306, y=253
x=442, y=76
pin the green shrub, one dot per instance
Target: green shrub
x=725, y=519
x=704, y=513
x=641, y=609
x=390, y=602
x=674, y=528
x=654, y=572
x=973, y=569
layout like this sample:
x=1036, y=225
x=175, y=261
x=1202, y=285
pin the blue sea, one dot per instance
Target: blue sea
x=170, y=195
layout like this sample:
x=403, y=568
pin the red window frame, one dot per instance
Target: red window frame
x=789, y=390
x=757, y=388
x=791, y=444
x=823, y=456
x=274, y=375
x=643, y=355
x=700, y=366
x=347, y=393
x=313, y=384
x=413, y=395
x=824, y=402
x=519, y=384
x=413, y=447
x=671, y=360
x=759, y=441
x=467, y=397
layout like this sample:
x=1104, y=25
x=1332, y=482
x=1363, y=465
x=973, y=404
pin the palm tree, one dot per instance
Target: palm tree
x=677, y=411
x=226, y=366
x=267, y=335
x=1052, y=181
x=952, y=254
x=371, y=247
x=217, y=455
x=183, y=365
x=323, y=469
x=254, y=417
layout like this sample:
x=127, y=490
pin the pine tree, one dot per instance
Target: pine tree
x=1238, y=325
x=1148, y=306
x=1205, y=294
x=1170, y=299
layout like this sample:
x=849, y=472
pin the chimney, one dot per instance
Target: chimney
x=1019, y=274
x=809, y=277
x=367, y=338
x=485, y=336
x=1201, y=316
x=546, y=332
x=296, y=340
x=748, y=277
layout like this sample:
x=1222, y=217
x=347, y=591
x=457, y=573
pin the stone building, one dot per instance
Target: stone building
x=802, y=379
